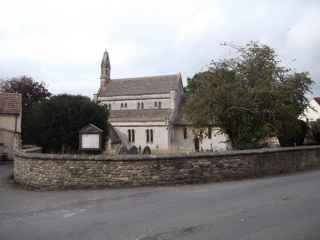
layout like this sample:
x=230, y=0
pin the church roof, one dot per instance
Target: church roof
x=141, y=115
x=140, y=85
x=10, y=103
x=180, y=118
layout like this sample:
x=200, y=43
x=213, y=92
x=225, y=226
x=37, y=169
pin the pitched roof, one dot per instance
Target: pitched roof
x=317, y=99
x=180, y=117
x=140, y=85
x=90, y=128
x=10, y=103
x=141, y=115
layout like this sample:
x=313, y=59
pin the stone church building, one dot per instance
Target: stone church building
x=148, y=111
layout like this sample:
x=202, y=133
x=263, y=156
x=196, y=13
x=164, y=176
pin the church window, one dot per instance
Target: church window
x=185, y=133
x=149, y=135
x=209, y=133
x=131, y=135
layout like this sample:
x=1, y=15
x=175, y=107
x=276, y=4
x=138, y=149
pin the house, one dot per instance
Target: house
x=148, y=111
x=312, y=112
x=10, y=123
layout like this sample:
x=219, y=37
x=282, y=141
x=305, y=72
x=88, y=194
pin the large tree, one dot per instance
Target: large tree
x=31, y=91
x=54, y=124
x=250, y=97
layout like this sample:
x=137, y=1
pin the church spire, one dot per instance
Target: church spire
x=105, y=68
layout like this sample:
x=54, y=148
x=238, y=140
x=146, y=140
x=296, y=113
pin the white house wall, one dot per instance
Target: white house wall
x=312, y=113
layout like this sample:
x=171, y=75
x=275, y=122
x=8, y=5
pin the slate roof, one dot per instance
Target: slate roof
x=180, y=117
x=140, y=85
x=317, y=99
x=10, y=103
x=141, y=115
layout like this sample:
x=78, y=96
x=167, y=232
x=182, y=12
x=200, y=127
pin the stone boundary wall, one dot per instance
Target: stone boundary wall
x=52, y=171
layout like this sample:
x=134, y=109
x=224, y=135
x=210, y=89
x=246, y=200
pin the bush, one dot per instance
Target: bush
x=293, y=134
x=54, y=124
x=314, y=132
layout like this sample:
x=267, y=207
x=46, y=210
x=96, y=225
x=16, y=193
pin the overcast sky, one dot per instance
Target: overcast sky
x=62, y=42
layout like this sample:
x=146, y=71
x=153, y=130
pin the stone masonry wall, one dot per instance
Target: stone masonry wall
x=51, y=171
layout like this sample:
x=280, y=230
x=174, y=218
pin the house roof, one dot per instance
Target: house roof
x=141, y=115
x=317, y=99
x=140, y=85
x=10, y=103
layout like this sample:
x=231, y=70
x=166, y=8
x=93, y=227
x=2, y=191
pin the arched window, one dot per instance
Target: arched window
x=185, y=133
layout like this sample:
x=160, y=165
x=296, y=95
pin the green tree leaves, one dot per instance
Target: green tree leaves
x=249, y=98
x=54, y=124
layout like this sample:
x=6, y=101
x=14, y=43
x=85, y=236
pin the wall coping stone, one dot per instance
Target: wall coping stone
x=181, y=156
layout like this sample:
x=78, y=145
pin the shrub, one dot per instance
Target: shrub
x=54, y=124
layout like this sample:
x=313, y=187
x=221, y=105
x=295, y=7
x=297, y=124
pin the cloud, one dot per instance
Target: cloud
x=62, y=42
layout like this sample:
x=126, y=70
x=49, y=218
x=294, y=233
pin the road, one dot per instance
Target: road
x=282, y=207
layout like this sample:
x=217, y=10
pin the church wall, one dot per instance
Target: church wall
x=160, y=135
x=216, y=143
x=132, y=104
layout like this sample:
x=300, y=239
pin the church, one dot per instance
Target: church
x=148, y=111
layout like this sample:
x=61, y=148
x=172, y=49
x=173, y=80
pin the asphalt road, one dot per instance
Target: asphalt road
x=283, y=207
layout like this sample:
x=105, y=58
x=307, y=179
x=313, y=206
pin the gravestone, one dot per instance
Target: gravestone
x=147, y=150
x=133, y=150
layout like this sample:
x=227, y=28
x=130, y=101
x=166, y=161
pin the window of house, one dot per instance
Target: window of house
x=155, y=104
x=131, y=135
x=185, y=133
x=149, y=135
x=125, y=105
x=159, y=104
x=138, y=105
x=141, y=105
x=209, y=133
x=121, y=105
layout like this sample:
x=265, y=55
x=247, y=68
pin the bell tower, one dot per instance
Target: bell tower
x=105, y=68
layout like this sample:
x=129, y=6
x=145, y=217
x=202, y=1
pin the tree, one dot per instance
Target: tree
x=31, y=91
x=250, y=97
x=54, y=123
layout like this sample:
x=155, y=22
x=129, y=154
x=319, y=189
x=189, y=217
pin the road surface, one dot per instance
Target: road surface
x=282, y=207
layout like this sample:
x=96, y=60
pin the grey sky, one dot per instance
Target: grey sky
x=62, y=42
